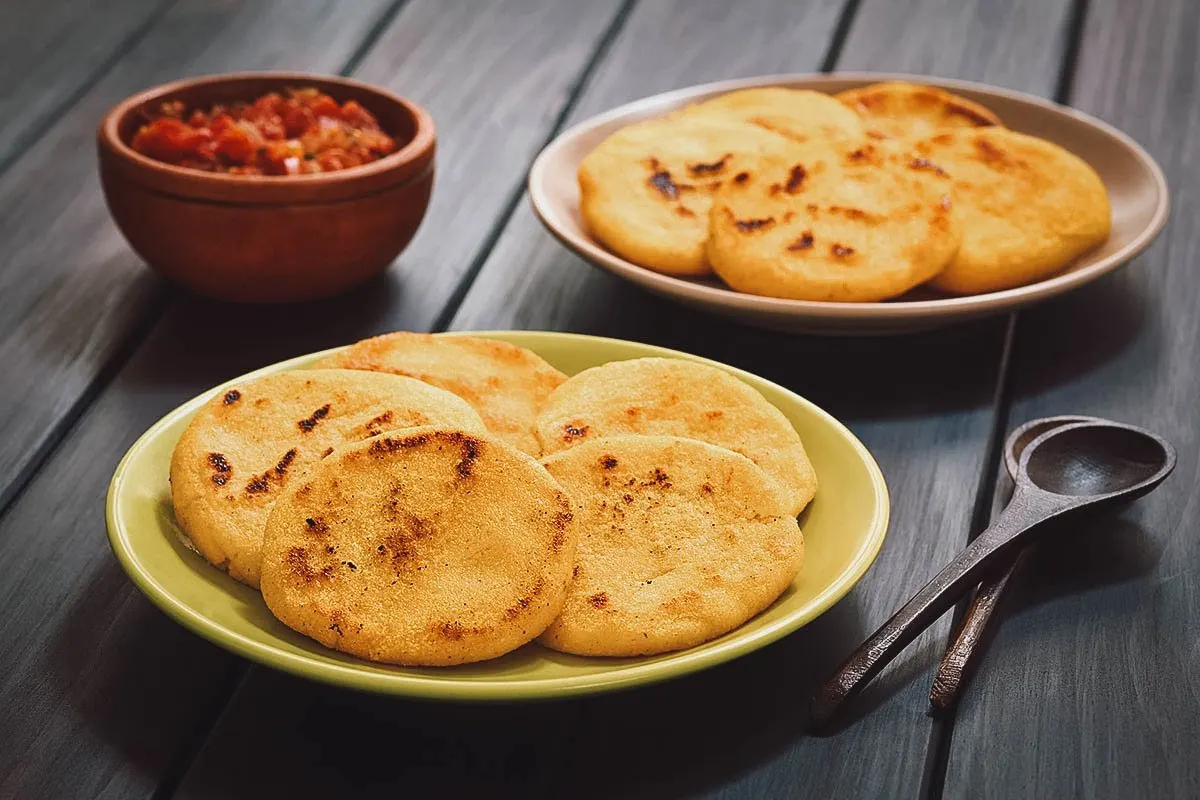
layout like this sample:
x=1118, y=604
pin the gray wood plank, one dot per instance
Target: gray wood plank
x=99, y=690
x=51, y=51
x=71, y=291
x=924, y=405
x=1002, y=43
x=1092, y=686
x=73, y=739
x=495, y=76
x=62, y=320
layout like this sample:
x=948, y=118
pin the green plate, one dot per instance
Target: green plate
x=843, y=528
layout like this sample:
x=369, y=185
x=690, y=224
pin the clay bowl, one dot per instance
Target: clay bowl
x=268, y=238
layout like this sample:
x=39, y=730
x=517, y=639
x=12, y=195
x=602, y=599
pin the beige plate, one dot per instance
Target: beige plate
x=1135, y=184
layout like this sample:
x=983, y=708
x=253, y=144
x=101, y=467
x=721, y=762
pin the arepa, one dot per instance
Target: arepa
x=248, y=443
x=430, y=546
x=679, y=542
x=505, y=383
x=676, y=397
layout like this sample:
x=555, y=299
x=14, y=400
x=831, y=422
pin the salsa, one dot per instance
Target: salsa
x=296, y=133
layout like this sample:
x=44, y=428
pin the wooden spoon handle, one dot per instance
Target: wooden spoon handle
x=960, y=660
x=933, y=600
x=1028, y=509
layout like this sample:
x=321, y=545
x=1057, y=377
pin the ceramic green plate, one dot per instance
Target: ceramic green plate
x=843, y=528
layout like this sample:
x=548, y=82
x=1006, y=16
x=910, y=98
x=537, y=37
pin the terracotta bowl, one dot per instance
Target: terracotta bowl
x=259, y=238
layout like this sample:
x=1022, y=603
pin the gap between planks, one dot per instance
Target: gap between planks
x=941, y=734
x=199, y=737
x=22, y=144
x=450, y=309
x=10, y=494
x=236, y=679
x=12, y=491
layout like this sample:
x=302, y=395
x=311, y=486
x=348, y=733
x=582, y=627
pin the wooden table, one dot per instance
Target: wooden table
x=1092, y=687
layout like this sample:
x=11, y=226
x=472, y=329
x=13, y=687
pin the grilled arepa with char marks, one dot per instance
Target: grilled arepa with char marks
x=505, y=383
x=1029, y=208
x=246, y=445
x=645, y=191
x=904, y=110
x=679, y=542
x=851, y=222
x=674, y=397
x=423, y=547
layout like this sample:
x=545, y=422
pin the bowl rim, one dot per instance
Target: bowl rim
x=708, y=295
x=362, y=676
x=417, y=148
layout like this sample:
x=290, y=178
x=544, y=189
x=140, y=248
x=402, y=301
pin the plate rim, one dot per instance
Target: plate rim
x=908, y=311
x=436, y=688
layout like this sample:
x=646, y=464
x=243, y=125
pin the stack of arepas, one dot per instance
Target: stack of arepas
x=390, y=503
x=857, y=197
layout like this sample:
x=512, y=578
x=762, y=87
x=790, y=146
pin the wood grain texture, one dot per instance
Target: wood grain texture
x=53, y=49
x=100, y=690
x=495, y=77
x=1001, y=43
x=1092, y=686
x=923, y=404
x=667, y=740
x=71, y=291
x=492, y=78
x=74, y=740
x=107, y=689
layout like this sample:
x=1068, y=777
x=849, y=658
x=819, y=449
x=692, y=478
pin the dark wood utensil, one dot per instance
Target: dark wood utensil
x=958, y=664
x=1064, y=471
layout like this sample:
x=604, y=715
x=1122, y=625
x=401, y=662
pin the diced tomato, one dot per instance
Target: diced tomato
x=379, y=143
x=274, y=158
x=332, y=159
x=169, y=139
x=272, y=127
x=269, y=103
x=297, y=119
x=302, y=131
x=221, y=123
x=355, y=114
x=326, y=106
x=236, y=146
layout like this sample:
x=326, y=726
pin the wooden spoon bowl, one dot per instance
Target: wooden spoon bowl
x=1068, y=470
x=251, y=238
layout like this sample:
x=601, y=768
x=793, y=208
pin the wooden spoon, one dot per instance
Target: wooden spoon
x=1069, y=469
x=959, y=662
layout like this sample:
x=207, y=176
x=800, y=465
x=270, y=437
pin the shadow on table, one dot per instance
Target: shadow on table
x=141, y=683
x=127, y=669
x=1072, y=562
x=674, y=738
x=869, y=377
x=200, y=342
x=1071, y=336
x=1090, y=555
x=858, y=378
